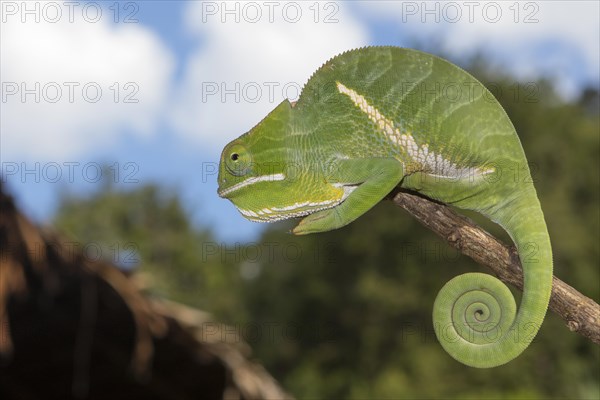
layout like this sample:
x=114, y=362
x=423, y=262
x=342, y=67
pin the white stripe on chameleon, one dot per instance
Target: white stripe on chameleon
x=263, y=217
x=252, y=181
x=299, y=205
x=267, y=211
x=433, y=163
x=279, y=213
x=248, y=213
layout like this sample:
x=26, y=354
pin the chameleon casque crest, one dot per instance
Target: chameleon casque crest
x=375, y=118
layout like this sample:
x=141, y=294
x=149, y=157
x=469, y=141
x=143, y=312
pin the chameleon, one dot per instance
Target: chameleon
x=373, y=119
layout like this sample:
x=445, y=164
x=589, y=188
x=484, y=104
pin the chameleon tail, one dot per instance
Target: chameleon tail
x=474, y=314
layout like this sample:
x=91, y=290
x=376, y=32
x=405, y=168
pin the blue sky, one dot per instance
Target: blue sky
x=191, y=76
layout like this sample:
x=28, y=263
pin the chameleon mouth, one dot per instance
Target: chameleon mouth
x=222, y=192
x=250, y=181
x=299, y=209
x=293, y=211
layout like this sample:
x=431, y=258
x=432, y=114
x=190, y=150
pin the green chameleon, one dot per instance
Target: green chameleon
x=375, y=118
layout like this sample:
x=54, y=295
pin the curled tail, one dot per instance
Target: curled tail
x=474, y=314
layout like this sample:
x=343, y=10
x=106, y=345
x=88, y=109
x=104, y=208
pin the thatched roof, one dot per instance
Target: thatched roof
x=75, y=328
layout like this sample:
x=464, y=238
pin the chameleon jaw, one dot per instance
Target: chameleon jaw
x=299, y=209
x=293, y=211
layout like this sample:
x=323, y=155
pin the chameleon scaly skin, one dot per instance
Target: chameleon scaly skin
x=374, y=118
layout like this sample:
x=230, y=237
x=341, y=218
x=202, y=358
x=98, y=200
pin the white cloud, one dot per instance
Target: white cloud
x=261, y=62
x=60, y=59
x=558, y=39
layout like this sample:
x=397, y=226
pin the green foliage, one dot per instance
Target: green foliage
x=148, y=228
x=347, y=314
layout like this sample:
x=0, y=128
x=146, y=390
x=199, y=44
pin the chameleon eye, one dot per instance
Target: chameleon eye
x=237, y=160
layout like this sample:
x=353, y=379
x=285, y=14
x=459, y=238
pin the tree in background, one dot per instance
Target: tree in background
x=148, y=228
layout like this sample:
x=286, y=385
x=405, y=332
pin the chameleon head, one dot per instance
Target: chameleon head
x=266, y=177
x=254, y=172
x=247, y=179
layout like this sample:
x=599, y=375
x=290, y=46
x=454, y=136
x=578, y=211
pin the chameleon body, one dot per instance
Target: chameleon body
x=375, y=118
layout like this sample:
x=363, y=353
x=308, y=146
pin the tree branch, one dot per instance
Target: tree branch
x=580, y=313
